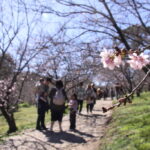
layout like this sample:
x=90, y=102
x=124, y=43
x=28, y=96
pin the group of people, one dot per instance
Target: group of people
x=89, y=94
x=57, y=101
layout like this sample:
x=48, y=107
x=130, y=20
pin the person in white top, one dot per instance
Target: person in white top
x=73, y=106
x=38, y=89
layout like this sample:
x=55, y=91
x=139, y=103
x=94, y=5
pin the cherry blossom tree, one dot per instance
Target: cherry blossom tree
x=17, y=39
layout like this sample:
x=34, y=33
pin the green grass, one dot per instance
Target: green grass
x=130, y=126
x=25, y=118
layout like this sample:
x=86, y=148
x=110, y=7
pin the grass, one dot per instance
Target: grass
x=25, y=118
x=130, y=126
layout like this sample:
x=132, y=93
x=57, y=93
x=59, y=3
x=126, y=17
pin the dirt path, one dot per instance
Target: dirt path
x=90, y=128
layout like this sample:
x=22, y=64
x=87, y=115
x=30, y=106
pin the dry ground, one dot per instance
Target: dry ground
x=90, y=129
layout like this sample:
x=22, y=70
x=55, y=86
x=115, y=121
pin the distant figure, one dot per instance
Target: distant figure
x=119, y=90
x=58, y=99
x=81, y=96
x=99, y=93
x=105, y=93
x=42, y=104
x=90, y=95
x=94, y=92
x=73, y=106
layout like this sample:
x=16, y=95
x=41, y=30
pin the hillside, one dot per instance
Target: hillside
x=129, y=128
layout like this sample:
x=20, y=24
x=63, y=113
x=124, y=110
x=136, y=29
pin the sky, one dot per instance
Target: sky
x=47, y=23
x=44, y=24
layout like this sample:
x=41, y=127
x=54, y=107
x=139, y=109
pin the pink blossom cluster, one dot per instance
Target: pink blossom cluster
x=111, y=60
x=137, y=62
x=4, y=88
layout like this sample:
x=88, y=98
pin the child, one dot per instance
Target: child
x=73, y=105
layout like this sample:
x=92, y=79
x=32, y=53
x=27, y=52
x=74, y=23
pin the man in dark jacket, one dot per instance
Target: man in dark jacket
x=42, y=105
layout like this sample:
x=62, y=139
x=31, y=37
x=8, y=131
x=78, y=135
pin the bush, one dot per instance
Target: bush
x=24, y=105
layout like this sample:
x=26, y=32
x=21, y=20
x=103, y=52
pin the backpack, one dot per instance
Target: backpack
x=59, y=97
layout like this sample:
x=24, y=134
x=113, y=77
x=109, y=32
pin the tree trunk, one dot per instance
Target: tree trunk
x=10, y=120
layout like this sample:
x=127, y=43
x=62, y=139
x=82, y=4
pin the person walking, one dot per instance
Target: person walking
x=81, y=96
x=94, y=95
x=89, y=99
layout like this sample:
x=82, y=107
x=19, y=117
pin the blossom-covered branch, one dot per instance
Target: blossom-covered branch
x=126, y=99
x=6, y=93
x=137, y=59
x=115, y=57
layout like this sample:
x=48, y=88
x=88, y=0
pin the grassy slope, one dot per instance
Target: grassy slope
x=25, y=118
x=130, y=126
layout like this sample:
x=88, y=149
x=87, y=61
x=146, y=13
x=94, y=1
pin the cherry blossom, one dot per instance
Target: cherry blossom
x=110, y=60
x=137, y=62
x=4, y=88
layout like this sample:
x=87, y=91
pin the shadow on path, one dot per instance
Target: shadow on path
x=33, y=142
x=60, y=137
x=91, y=128
x=26, y=144
x=84, y=134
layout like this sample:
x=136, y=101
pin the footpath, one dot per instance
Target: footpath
x=90, y=129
